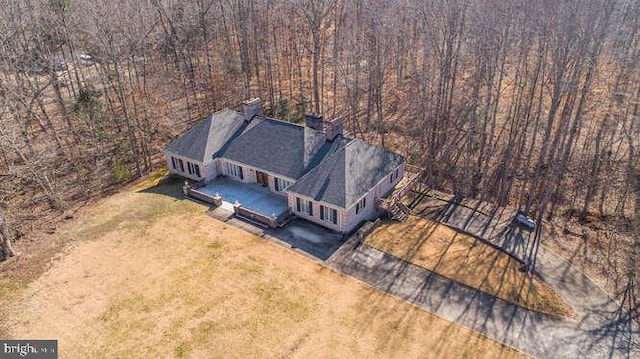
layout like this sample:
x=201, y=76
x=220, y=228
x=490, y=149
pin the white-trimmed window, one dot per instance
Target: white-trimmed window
x=281, y=184
x=361, y=205
x=177, y=164
x=234, y=170
x=194, y=169
x=328, y=214
x=304, y=206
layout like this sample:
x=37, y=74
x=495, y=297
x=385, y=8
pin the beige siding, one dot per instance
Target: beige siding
x=316, y=213
x=371, y=211
x=348, y=219
x=185, y=162
x=249, y=174
x=368, y=212
x=211, y=170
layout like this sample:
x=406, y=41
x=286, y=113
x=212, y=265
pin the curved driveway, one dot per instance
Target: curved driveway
x=602, y=330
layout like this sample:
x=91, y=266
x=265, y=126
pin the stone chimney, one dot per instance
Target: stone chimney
x=333, y=128
x=314, y=121
x=252, y=107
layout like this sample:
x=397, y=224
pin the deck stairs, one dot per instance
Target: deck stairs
x=399, y=211
x=393, y=204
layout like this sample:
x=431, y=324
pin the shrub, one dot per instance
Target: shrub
x=119, y=172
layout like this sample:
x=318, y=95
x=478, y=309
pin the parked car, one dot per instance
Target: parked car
x=525, y=221
x=85, y=60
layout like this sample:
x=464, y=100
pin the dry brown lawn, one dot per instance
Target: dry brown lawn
x=464, y=259
x=149, y=274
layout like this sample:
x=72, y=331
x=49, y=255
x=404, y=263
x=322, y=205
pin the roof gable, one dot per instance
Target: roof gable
x=207, y=138
x=344, y=177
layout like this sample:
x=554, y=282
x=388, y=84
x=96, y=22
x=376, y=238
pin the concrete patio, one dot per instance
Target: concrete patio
x=250, y=195
x=308, y=237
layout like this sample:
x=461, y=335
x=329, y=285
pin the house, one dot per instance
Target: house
x=326, y=177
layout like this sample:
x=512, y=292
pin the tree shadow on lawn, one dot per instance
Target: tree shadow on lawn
x=474, y=309
x=167, y=186
x=475, y=220
x=425, y=235
x=402, y=320
x=620, y=335
x=465, y=259
x=480, y=313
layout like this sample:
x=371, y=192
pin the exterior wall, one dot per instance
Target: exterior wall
x=371, y=210
x=249, y=174
x=211, y=170
x=348, y=219
x=316, y=213
x=185, y=173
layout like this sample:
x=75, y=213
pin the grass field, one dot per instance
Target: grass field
x=149, y=274
x=466, y=260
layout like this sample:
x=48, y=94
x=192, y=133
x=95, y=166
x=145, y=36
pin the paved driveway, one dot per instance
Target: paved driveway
x=602, y=329
x=300, y=235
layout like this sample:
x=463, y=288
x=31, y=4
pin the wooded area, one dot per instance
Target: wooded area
x=529, y=103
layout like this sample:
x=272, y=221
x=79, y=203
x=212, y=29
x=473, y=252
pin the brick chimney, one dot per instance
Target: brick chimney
x=334, y=127
x=314, y=121
x=252, y=107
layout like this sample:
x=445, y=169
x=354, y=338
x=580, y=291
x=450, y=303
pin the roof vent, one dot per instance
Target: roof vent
x=252, y=107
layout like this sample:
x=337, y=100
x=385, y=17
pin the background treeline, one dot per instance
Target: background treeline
x=528, y=103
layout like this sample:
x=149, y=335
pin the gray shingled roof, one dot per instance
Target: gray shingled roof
x=338, y=172
x=276, y=146
x=345, y=176
x=208, y=137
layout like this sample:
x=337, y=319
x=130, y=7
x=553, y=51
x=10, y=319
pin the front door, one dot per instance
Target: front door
x=262, y=178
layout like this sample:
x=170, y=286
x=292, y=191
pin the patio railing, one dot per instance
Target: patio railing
x=215, y=200
x=259, y=218
x=243, y=212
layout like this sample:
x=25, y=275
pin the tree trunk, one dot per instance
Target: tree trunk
x=6, y=237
